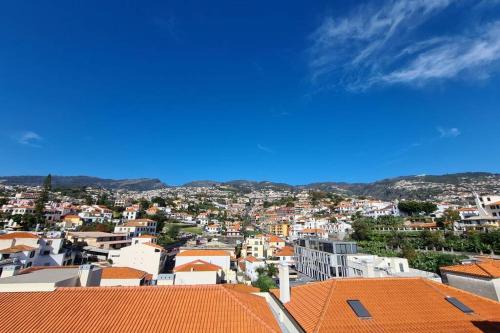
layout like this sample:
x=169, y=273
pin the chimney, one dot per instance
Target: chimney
x=89, y=275
x=284, y=282
x=10, y=270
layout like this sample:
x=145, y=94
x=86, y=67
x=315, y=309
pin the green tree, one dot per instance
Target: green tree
x=408, y=252
x=173, y=231
x=272, y=270
x=397, y=239
x=42, y=199
x=412, y=207
x=362, y=230
x=265, y=283
x=159, y=201
x=144, y=204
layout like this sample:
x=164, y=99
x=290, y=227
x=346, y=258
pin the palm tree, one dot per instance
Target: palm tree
x=272, y=270
x=260, y=270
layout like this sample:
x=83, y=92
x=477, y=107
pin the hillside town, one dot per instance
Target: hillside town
x=269, y=251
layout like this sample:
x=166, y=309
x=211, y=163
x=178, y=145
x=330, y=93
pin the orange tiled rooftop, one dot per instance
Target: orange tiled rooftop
x=20, y=234
x=122, y=273
x=488, y=269
x=213, y=308
x=286, y=251
x=395, y=305
x=203, y=252
x=197, y=266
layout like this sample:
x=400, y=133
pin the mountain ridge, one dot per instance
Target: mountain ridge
x=413, y=186
x=138, y=184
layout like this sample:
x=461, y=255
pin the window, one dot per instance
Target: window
x=461, y=306
x=32, y=254
x=401, y=268
x=359, y=309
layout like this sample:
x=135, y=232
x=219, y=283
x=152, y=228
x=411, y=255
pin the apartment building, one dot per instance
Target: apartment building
x=322, y=259
x=27, y=249
x=134, y=228
x=143, y=254
x=280, y=229
x=253, y=247
x=131, y=213
x=219, y=258
x=372, y=266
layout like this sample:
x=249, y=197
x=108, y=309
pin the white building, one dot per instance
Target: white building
x=19, y=248
x=131, y=213
x=197, y=272
x=251, y=265
x=213, y=228
x=480, y=278
x=144, y=254
x=220, y=258
x=123, y=276
x=372, y=266
x=134, y=228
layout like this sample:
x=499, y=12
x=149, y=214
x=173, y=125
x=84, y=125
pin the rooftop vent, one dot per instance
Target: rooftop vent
x=461, y=306
x=359, y=309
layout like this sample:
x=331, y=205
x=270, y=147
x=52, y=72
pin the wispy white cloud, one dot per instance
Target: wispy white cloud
x=264, y=148
x=381, y=45
x=452, y=132
x=29, y=138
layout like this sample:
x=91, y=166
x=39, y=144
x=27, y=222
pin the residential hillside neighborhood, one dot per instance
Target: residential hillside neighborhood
x=274, y=258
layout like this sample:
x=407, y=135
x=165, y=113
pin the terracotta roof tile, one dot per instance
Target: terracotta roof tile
x=211, y=308
x=20, y=234
x=122, y=273
x=197, y=266
x=286, y=251
x=489, y=269
x=17, y=249
x=275, y=239
x=242, y=288
x=155, y=245
x=395, y=305
x=251, y=259
x=203, y=253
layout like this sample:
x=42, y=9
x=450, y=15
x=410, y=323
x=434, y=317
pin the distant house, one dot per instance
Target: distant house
x=131, y=213
x=134, y=228
x=70, y=222
x=220, y=258
x=286, y=254
x=197, y=272
x=123, y=276
x=480, y=278
x=213, y=228
x=143, y=254
x=251, y=266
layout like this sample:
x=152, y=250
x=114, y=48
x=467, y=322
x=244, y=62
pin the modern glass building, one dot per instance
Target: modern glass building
x=322, y=259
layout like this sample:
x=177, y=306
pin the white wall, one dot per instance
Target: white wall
x=482, y=287
x=222, y=261
x=140, y=256
x=120, y=282
x=182, y=278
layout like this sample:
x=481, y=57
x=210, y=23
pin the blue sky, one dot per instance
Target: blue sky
x=293, y=92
